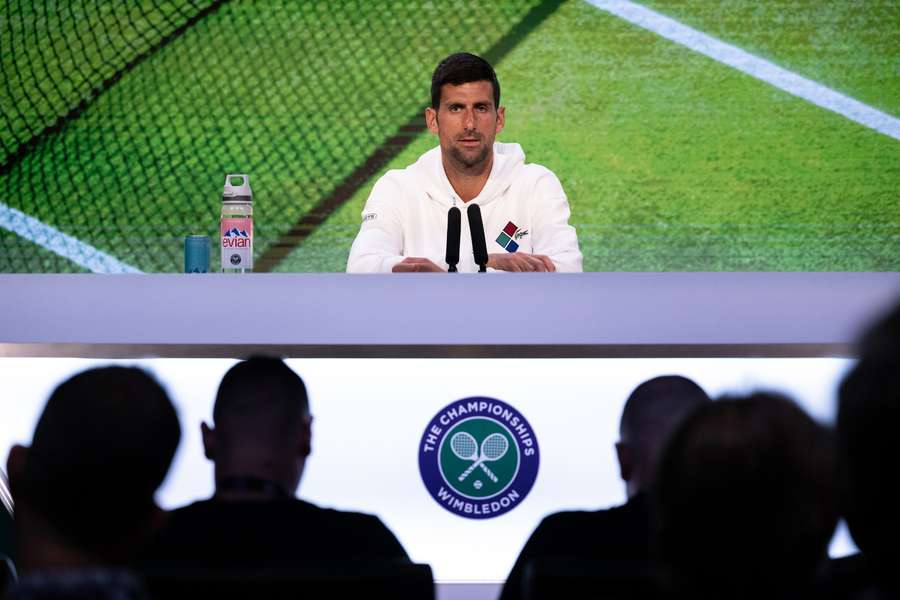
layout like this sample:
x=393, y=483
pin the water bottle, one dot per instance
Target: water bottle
x=236, y=225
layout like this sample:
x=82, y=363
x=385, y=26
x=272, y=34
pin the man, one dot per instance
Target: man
x=523, y=206
x=746, y=500
x=653, y=410
x=259, y=444
x=868, y=417
x=6, y=520
x=84, y=488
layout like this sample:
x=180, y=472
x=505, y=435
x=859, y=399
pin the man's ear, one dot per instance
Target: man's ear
x=15, y=469
x=431, y=120
x=501, y=120
x=209, y=441
x=626, y=461
x=306, y=436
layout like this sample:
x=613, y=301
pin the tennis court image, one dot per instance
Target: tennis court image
x=719, y=135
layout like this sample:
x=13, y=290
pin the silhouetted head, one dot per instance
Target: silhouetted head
x=262, y=426
x=746, y=497
x=867, y=425
x=652, y=412
x=101, y=448
x=461, y=68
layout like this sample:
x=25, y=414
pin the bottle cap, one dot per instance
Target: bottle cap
x=196, y=254
x=237, y=188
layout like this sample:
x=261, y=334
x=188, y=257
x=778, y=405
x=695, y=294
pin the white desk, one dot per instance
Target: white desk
x=416, y=315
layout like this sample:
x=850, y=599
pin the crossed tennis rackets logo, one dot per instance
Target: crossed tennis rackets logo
x=478, y=457
x=493, y=447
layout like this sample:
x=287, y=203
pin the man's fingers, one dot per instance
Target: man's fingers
x=534, y=263
x=516, y=262
x=416, y=264
x=547, y=262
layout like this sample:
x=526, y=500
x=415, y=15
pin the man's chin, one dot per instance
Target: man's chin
x=471, y=159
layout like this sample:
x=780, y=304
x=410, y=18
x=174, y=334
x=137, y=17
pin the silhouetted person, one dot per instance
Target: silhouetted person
x=84, y=488
x=867, y=431
x=653, y=410
x=259, y=443
x=747, y=500
x=7, y=568
x=6, y=520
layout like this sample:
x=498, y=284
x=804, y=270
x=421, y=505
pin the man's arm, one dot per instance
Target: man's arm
x=378, y=246
x=553, y=236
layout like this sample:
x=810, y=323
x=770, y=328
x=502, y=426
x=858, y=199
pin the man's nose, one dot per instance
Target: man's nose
x=469, y=120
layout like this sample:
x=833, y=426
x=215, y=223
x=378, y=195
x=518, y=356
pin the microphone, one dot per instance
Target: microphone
x=454, y=225
x=476, y=228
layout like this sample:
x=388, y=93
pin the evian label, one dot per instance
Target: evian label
x=237, y=243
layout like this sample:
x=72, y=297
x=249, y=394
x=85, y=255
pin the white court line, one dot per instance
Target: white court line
x=56, y=241
x=754, y=66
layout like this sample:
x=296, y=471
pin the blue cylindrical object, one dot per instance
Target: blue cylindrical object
x=196, y=254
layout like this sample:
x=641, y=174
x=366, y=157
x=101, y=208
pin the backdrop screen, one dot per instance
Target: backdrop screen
x=724, y=135
x=368, y=430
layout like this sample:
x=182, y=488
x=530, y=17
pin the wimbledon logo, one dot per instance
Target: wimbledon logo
x=478, y=458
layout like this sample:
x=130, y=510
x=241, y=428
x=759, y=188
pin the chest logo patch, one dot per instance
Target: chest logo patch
x=509, y=235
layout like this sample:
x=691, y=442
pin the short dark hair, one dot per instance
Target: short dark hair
x=658, y=405
x=746, y=497
x=461, y=68
x=260, y=398
x=868, y=417
x=102, y=446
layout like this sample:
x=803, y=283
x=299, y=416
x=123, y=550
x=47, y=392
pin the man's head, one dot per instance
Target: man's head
x=652, y=412
x=101, y=448
x=465, y=110
x=461, y=68
x=746, y=498
x=262, y=424
x=868, y=418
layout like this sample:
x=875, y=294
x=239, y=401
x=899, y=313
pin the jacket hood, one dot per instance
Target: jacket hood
x=429, y=171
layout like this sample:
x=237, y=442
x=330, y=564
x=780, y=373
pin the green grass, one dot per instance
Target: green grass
x=18, y=255
x=52, y=54
x=675, y=162
x=852, y=47
x=295, y=94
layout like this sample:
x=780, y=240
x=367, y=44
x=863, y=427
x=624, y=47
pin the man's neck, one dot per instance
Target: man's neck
x=244, y=488
x=467, y=182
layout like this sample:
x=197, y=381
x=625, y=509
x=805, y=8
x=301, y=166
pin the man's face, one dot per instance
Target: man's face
x=466, y=123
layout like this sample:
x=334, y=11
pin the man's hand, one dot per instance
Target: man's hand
x=412, y=264
x=520, y=261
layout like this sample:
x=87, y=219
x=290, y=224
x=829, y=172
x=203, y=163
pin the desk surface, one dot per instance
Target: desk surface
x=494, y=315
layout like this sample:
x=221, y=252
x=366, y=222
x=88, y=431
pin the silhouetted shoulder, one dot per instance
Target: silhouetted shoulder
x=621, y=532
x=618, y=533
x=281, y=530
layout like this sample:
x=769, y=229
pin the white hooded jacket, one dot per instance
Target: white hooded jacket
x=523, y=207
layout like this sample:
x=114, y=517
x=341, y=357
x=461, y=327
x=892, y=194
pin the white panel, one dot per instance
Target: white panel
x=369, y=416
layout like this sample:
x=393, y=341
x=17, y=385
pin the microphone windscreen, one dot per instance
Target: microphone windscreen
x=476, y=228
x=454, y=227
